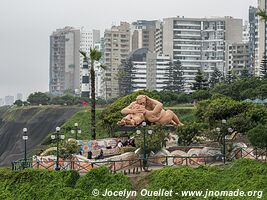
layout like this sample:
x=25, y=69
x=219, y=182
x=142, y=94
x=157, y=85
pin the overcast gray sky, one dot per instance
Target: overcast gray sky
x=25, y=26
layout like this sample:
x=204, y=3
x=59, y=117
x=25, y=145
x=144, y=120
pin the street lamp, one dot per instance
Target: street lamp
x=138, y=132
x=224, y=130
x=25, y=138
x=224, y=144
x=77, y=130
x=57, y=137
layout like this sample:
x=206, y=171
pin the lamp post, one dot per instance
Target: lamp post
x=76, y=131
x=224, y=130
x=224, y=134
x=57, y=137
x=25, y=138
x=145, y=142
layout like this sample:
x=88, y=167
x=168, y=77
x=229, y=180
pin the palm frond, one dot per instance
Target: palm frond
x=83, y=54
x=95, y=54
x=103, y=67
x=262, y=14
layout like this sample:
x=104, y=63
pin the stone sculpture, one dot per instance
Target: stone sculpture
x=148, y=109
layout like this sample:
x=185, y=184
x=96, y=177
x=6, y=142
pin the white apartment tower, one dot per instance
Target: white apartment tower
x=199, y=43
x=150, y=70
x=116, y=49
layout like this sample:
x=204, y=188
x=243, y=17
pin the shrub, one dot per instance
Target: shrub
x=101, y=179
x=258, y=136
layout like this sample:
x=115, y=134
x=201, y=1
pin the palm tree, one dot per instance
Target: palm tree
x=95, y=55
x=262, y=14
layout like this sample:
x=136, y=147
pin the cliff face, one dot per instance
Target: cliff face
x=39, y=121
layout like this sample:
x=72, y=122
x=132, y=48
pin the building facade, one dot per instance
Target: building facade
x=89, y=39
x=253, y=36
x=238, y=59
x=64, y=60
x=199, y=43
x=9, y=100
x=261, y=39
x=245, y=33
x=150, y=70
x=116, y=49
x=143, y=35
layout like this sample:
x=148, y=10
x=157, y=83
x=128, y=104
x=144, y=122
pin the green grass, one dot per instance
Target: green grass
x=243, y=175
x=83, y=118
x=44, y=185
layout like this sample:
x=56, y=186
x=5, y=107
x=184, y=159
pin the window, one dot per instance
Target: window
x=85, y=79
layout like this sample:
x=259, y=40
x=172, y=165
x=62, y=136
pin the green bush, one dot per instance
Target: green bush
x=154, y=141
x=36, y=184
x=101, y=179
x=188, y=132
x=258, y=136
x=245, y=175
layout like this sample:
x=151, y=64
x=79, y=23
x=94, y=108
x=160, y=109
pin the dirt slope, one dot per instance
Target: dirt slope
x=39, y=120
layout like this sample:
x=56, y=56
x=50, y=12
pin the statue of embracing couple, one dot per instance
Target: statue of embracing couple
x=147, y=109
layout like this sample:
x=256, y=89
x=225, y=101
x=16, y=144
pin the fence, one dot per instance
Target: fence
x=137, y=165
x=251, y=153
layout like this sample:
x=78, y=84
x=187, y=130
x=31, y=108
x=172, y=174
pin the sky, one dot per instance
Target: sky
x=25, y=27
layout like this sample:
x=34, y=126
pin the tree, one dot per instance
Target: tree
x=126, y=76
x=245, y=73
x=154, y=141
x=188, y=132
x=201, y=95
x=38, y=98
x=200, y=81
x=216, y=77
x=95, y=56
x=258, y=136
x=230, y=77
x=18, y=103
x=174, y=75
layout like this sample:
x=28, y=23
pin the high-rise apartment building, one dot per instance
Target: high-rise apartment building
x=159, y=38
x=116, y=49
x=143, y=34
x=237, y=58
x=253, y=36
x=66, y=63
x=64, y=60
x=199, y=43
x=150, y=70
x=9, y=100
x=261, y=40
x=245, y=33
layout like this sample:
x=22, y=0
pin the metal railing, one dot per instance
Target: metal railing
x=136, y=165
x=251, y=153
